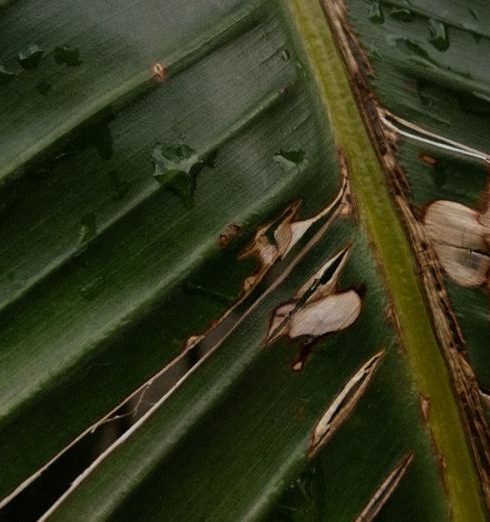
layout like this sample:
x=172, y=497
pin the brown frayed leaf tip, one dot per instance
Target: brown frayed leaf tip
x=386, y=489
x=274, y=241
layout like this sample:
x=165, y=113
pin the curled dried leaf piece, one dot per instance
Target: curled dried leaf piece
x=274, y=241
x=386, y=489
x=316, y=310
x=343, y=405
x=461, y=241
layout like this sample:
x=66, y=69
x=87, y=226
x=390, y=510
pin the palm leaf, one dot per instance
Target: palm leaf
x=201, y=251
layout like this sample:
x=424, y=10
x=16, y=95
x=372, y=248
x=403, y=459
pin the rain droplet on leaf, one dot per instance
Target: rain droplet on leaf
x=375, y=14
x=438, y=35
x=91, y=289
x=290, y=160
x=67, y=55
x=413, y=47
x=97, y=133
x=176, y=168
x=30, y=57
x=425, y=94
x=88, y=228
x=404, y=15
x=285, y=55
x=121, y=186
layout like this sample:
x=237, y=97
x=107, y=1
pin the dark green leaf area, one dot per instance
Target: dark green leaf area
x=6, y=75
x=67, y=55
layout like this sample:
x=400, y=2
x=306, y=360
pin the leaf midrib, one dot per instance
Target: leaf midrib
x=380, y=219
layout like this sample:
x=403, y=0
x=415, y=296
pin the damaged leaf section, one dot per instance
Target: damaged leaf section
x=385, y=130
x=343, y=405
x=316, y=309
x=274, y=241
x=183, y=161
x=461, y=239
x=385, y=490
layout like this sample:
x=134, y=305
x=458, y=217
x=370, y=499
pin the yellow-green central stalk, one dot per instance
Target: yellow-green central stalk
x=379, y=217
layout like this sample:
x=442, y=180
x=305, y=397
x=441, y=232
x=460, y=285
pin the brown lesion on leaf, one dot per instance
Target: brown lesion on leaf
x=343, y=405
x=465, y=383
x=317, y=309
x=386, y=489
x=429, y=160
x=286, y=232
x=231, y=232
x=159, y=72
x=274, y=241
x=461, y=239
x=384, y=131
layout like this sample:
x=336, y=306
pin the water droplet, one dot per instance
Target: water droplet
x=413, y=47
x=88, y=228
x=399, y=13
x=303, y=499
x=425, y=94
x=176, y=168
x=285, y=55
x=121, y=186
x=44, y=87
x=6, y=76
x=438, y=35
x=30, y=57
x=376, y=13
x=91, y=289
x=290, y=160
x=67, y=55
x=98, y=134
